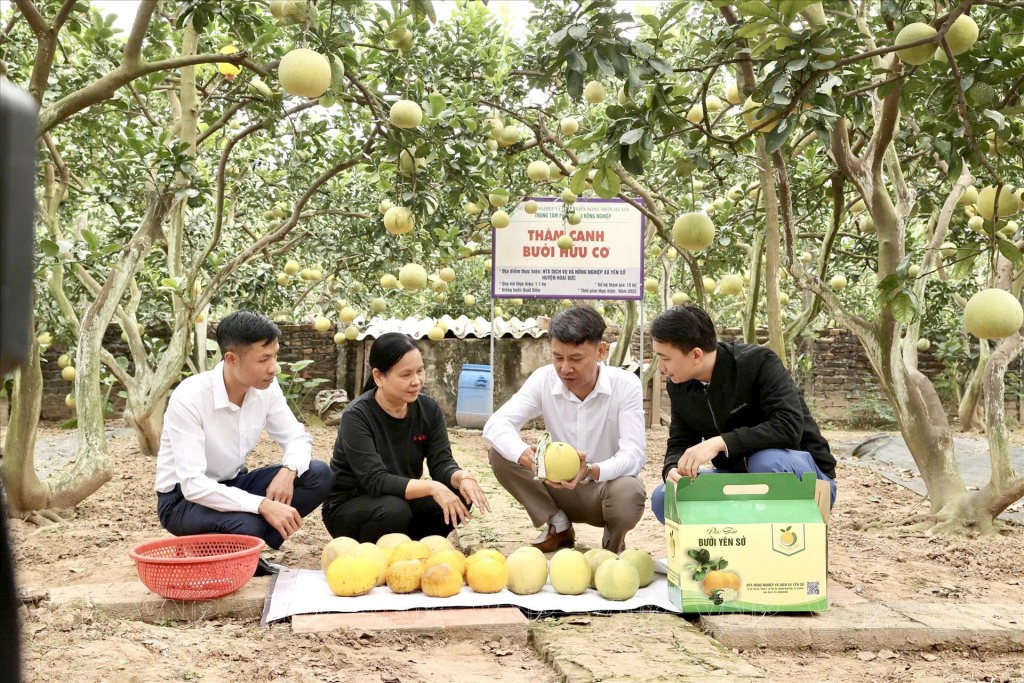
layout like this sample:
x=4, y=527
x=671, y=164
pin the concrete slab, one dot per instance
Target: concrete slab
x=132, y=600
x=871, y=626
x=490, y=623
x=635, y=647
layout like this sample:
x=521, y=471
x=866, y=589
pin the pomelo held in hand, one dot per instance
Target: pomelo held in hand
x=561, y=461
x=304, y=73
x=993, y=314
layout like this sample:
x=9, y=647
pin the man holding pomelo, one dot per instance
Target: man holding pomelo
x=598, y=411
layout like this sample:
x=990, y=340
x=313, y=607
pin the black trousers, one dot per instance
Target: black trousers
x=366, y=518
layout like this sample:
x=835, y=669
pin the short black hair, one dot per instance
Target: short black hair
x=385, y=353
x=577, y=325
x=685, y=327
x=238, y=330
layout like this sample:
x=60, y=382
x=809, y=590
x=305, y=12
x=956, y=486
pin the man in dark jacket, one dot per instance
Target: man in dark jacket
x=733, y=405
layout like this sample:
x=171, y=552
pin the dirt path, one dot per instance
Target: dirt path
x=868, y=552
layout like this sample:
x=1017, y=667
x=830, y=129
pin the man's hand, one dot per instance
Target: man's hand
x=281, y=516
x=529, y=458
x=282, y=486
x=673, y=475
x=455, y=511
x=472, y=493
x=695, y=456
x=574, y=482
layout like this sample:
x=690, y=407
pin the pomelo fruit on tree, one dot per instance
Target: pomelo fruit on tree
x=970, y=196
x=499, y=219
x=509, y=136
x=68, y=373
x=837, y=282
x=594, y=92
x=321, y=324
x=498, y=198
x=569, y=125
x=651, y=285
x=695, y=114
x=617, y=579
x=471, y=208
x=732, y=93
x=568, y=196
x=569, y=571
x=339, y=338
x=993, y=314
x=384, y=205
x=291, y=267
x=867, y=224
x=227, y=69
x=731, y=284
x=755, y=117
x=447, y=274
x=538, y=171
x=709, y=284
x=379, y=305
x=923, y=344
x=435, y=333
x=574, y=218
x=1008, y=202
x=351, y=333
x=63, y=361
x=530, y=207
x=962, y=35
x=911, y=33
x=304, y=73
x=564, y=242
x=680, y=298
x=693, y=231
x=469, y=300
x=412, y=276
x=405, y=114
x=348, y=314
x=947, y=249
x=561, y=461
x=388, y=281
x=398, y=220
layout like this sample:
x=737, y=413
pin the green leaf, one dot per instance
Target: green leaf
x=1010, y=251
x=606, y=183
x=631, y=136
x=91, y=239
x=50, y=248
x=904, y=307
x=754, y=8
x=578, y=182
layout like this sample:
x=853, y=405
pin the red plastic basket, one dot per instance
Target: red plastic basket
x=197, y=567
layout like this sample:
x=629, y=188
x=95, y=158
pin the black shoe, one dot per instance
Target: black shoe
x=265, y=568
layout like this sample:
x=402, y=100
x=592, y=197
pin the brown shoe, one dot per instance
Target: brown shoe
x=555, y=540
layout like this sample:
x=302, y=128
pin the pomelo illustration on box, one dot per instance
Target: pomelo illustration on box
x=746, y=543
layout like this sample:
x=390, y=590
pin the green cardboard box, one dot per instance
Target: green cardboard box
x=747, y=543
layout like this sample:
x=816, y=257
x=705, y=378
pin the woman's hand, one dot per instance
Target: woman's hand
x=472, y=493
x=455, y=512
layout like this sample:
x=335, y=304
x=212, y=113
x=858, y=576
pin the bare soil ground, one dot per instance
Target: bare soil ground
x=869, y=552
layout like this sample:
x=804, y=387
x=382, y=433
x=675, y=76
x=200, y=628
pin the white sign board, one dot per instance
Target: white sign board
x=606, y=260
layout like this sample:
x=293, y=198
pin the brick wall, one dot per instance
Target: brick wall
x=831, y=368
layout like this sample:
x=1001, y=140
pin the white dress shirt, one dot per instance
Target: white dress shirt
x=206, y=439
x=608, y=425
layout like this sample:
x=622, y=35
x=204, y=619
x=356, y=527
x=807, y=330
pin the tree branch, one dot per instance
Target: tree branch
x=133, y=46
x=33, y=17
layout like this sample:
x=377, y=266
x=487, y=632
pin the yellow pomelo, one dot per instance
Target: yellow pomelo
x=485, y=554
x=561, y=461
x=384, y=205
x=321, y=324
x=837, y=282
x=379, y=305
x=412, y=276
x=487, y=576
x=680, y=298
x=651, y=285
x=381, y=557
x=68, y=373
x=731, y=284
x=709, y=284
x=498, y=198
x=227, y=69
x=499, y=219
x=404, y=576
x=755, y=117
x=713, y=103
x=962, y=35
x=570, y=573
x=69, y=401
x=351, y=333
x=617, y=580
x=595, y=558
x=594, y=92
x=695, y=114
x=912, y=33
x=530, y=207
x=642, y=562
x=1008, y=203
x=436, y=543
x=450, y=557
x=947, y=249
x=291, y=267
x=993, y=314
x=398, y=220
x=569, y=125
x=64, y=361
x=335, y=549
x=388, y=281
x=304, y=73
x=867, y=224
x=441, y=580
x=405, y=114
x=392, y=541
x=527, y=571
x=447, y=274
x=732, y=93
x=351, y=575
x=435, y=334
x=564, y=242
x=411, y=550
x=348, y=314
x=538, y=171
x=970, y=196
x=568, y=196
x=469, y=300
x=693, y=231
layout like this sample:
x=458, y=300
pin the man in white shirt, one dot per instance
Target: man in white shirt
x=213, y=420
x=595, y=408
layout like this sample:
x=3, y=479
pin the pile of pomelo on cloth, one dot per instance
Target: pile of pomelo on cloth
x=440, y=570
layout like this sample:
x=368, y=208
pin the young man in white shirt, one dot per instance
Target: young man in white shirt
x=595, y=408
x=213, y=420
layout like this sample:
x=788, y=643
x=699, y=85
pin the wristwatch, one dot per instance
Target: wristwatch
x=293, y=468
x=589, y=476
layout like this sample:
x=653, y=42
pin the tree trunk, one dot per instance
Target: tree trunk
x=25, y=492
x=971, y=411
x=773, y=248
x=626, y=335
x=754, y=292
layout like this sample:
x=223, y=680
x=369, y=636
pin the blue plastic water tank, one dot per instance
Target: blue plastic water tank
x=473, y=404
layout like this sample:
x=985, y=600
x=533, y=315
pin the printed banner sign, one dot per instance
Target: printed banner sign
x=606, y=260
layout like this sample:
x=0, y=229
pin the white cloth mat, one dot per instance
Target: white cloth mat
x=305, y=591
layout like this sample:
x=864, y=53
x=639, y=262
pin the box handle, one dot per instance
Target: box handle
x=745, y=489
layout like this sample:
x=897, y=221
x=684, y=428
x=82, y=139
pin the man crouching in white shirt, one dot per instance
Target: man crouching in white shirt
x=595, y=408
x=213, y=420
